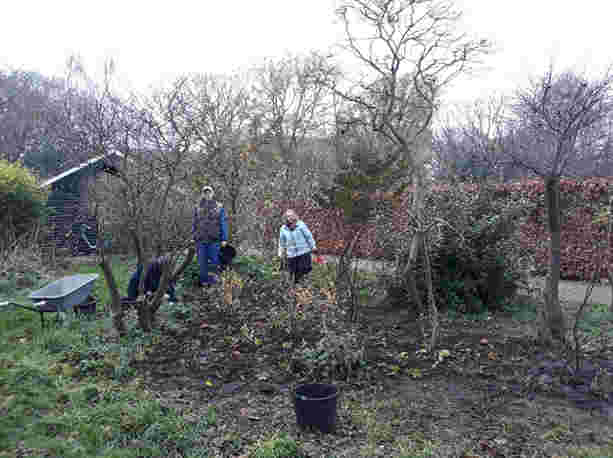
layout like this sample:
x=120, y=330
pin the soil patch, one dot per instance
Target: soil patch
x=489, y=391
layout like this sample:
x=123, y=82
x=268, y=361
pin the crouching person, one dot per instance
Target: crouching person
x=209, y=231
x=152, y=280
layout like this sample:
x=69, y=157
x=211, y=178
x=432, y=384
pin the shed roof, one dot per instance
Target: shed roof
x=81, y=166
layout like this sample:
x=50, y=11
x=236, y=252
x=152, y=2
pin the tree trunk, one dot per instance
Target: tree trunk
x=158, y=296
x=344, y=281
x=408, y=274
x=140, y=259
x=417, y=241
x=434, y=321
x=554, y=318
x=188, y=260
x=116, y=308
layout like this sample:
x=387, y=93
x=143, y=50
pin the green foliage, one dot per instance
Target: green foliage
x=476, y=254
x=476, y=260
x=191, y=274
x=22, y=203
x=522, y=308
x=354, y=186
x=278, y=446
x=254, y=267
x=594, y=321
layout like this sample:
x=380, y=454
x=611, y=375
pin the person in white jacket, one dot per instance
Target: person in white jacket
x=296, y=243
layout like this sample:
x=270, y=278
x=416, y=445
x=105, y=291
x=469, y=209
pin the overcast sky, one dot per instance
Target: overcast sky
x=152, y=41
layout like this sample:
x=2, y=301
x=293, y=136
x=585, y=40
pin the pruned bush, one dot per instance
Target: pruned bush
x=477, y=259
x=478, y=267
x=337, y=355
x=22, y=203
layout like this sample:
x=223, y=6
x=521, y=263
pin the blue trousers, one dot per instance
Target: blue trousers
x=208, y=259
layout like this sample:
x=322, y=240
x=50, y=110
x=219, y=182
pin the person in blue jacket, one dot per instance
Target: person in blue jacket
x=296, y=243
x=209, y=231
x=152, y=280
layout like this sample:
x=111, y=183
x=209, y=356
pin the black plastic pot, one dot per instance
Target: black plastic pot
x=315, y=405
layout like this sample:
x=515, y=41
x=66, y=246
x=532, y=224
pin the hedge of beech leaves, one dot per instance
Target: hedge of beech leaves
x=582, y=237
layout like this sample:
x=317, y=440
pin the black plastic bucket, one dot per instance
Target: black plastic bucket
x=315, y=405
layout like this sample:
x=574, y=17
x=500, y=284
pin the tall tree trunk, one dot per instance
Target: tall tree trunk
x=116, y=308
x=431, y=300
x=344, y=279
x=417, y=241
x=408, y=274
x=554, y=318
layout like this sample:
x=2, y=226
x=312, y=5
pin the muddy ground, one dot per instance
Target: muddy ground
x=495, y=394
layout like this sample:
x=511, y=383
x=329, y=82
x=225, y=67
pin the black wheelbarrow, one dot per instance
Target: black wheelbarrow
x=59, y=296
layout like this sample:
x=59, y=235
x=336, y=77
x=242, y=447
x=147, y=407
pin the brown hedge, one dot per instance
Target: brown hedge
x=581, y=237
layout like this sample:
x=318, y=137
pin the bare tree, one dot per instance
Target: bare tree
x=225, y=124
x=94, y=127
x=22, y=101
x=408, y=52
x=152, y=199
x=552, y=114
x=147, y=199
x=470, y=142
x=31, y=105
x=294, y=98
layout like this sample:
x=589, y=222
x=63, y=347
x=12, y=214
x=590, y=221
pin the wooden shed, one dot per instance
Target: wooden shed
x=70, y=224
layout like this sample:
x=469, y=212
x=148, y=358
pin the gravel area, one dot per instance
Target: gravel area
x=574, y=291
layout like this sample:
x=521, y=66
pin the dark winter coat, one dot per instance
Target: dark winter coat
x=209, y=222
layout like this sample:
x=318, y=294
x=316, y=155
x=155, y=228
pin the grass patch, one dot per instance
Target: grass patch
x=122, y=271
x=379, y=421
x=591, y=452
x=597, y=321
x=68, y=391
x=65, y=392
x=278, y=446
x=8, y=286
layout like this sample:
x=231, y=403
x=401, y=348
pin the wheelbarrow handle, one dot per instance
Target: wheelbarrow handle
x=34, y=309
